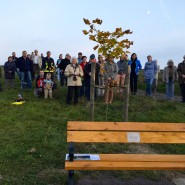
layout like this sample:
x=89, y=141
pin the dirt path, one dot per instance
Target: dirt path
x=159, y=96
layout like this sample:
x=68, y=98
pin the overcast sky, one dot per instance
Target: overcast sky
x=56, y=25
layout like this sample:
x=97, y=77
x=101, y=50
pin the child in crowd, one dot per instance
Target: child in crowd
x=48, y=85
x=39, y=84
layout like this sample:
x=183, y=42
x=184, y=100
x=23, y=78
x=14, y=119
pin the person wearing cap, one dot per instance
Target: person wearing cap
x=79, y=57
x=87, y=76
x=181, y=73
x=150, y=71
x=111, y=71
x=62, y=66
x=169, y=77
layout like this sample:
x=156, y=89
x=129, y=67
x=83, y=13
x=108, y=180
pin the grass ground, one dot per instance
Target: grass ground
x=33, y=135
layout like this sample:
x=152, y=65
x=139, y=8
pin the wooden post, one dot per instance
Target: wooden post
x=126, y=98
x=92, y=90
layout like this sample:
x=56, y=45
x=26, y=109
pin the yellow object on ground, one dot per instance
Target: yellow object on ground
x=18, y=103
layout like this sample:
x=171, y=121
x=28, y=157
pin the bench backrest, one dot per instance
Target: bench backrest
x=125, y=132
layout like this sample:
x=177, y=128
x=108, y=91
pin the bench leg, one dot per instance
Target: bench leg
x=71, y=177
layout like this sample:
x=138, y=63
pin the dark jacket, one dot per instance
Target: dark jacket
x=24, y=65
x=63, y=64
x=87, y=77
x=9, y=68
x=15, y=60
x=48, y=65
x=181, y=71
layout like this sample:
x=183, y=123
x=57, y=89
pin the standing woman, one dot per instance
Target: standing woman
x=169, y=77
x=74, y=73
x=135, y=68
x=150, y=71
x=9, y=68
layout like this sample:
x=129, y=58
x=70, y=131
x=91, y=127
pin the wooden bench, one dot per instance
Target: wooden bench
x=128, y=132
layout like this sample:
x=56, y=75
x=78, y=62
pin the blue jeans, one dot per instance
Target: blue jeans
x=149, y=83
x=25, y=79
x=170, y=89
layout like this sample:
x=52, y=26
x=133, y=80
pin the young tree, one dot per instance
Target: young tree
x=109, y=44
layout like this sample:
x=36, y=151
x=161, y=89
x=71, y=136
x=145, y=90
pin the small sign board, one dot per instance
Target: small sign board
x=133, y=137
x=91, y=157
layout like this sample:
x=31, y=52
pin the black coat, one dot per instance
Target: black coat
x=9, y=68
x=24, y=65
x=63, y=64
x=87, y=77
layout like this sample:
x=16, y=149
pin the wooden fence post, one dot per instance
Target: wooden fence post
x=92, y=90
x=126, y=98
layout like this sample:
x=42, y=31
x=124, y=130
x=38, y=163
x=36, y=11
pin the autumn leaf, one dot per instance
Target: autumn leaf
x=86, y=21
x=92, y=37
x=96, y=47
x=85, y=32
x=98, y=21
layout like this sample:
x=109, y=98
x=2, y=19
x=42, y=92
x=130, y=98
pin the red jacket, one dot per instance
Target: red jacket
x=82, y=64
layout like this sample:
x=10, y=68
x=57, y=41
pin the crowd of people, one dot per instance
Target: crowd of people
x=76, y=74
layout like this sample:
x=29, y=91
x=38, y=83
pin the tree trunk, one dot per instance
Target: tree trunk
x=126, y=98
x=92, y=90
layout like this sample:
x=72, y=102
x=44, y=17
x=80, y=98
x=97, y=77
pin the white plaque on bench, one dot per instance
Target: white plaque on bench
x=133, y=137
x=91, y=157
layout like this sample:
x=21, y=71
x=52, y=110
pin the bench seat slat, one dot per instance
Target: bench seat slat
x=142, y=157
x=98, y=165
x=121, y=137
x=125, y=126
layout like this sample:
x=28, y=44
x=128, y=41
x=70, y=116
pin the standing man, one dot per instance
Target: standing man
x=15, y=60
x=58, y=69
x=181, y=73
x=62, y=66
x=48, y=65
x=79, y=57
x=25, y=68
x=150, y=71
x=87, y=73
x=156, y=77
x=37, y=62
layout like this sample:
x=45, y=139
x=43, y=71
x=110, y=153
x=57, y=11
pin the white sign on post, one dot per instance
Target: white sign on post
x=133, y=137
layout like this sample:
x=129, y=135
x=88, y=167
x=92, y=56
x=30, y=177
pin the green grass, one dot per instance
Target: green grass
x=41, y=124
